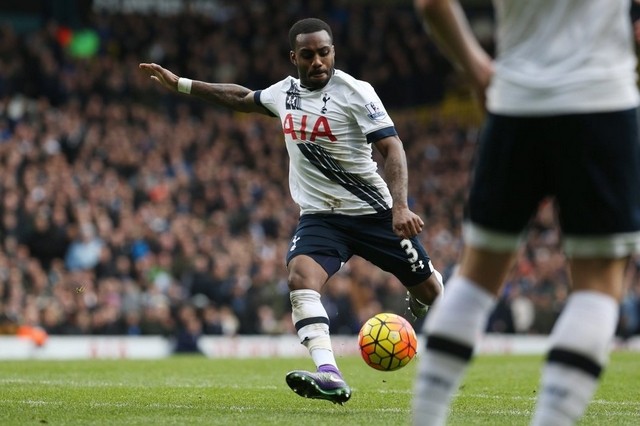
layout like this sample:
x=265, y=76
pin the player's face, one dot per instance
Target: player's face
x=314, y=57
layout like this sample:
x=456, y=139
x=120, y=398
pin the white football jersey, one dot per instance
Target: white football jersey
x=563, y=56
x=328, y=133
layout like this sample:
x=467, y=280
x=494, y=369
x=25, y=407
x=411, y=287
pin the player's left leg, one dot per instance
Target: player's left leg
x=373, y=239
x=421, y=296
x=453, y=329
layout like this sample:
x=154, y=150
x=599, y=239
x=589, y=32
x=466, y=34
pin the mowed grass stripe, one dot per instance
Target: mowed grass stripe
x=191, y=390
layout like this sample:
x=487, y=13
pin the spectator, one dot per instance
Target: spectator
x=84, y=251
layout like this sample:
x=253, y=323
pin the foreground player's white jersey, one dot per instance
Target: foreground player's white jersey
x=328, y=133
x=563, y=56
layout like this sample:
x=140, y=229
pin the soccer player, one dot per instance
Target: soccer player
x=330, y=122
x=562, y=121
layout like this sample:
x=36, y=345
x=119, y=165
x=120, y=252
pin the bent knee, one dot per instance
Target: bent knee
x=305, y=273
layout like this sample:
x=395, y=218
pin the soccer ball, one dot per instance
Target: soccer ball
x=387, y=342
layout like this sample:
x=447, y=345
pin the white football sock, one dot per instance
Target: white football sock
x=312, y=322
x=580, y=343
x=454, y=325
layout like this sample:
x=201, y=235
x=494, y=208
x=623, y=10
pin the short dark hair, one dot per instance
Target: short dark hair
x=307, y=26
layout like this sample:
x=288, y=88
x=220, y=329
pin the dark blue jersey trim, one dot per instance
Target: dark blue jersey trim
x=256, y=99
x=381, y=134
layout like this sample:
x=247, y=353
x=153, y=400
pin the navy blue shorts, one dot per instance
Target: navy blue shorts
x=332, y=239
x=589, y=163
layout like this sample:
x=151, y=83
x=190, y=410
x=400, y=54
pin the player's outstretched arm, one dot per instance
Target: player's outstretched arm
x=232, y=96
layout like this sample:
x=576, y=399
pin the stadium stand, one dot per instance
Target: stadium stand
x=126, y=211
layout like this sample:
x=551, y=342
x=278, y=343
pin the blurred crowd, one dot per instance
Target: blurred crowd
x=128, y=210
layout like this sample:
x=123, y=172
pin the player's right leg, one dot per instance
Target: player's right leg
x=580, y=341
x=306, y=278
x=599, y=210
x=326, y=385
x=314, y=255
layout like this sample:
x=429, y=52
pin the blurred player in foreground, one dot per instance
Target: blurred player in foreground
x=562, y=122
x=330, y=122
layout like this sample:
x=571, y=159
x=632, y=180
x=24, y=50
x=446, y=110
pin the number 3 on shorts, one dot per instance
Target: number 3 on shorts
x=412, y=254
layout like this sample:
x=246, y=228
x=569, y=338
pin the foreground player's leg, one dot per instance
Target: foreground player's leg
x=312, y=323
x=580, y=341
x=579, y=348
x=452, y=329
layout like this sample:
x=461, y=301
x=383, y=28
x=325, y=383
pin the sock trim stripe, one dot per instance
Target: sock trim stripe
x=575, y=360
x=450, y=347
x=311, y=320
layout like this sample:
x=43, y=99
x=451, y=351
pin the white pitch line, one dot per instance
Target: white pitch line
x=237, y=408
x=87, y=384
x=39, y=403
x=533, y=398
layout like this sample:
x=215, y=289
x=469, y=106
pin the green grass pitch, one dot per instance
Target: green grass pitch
x=193, y=390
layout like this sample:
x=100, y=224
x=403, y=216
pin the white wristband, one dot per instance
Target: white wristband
x=184, y=85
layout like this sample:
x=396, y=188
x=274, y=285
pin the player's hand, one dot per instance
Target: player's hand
x=161, y=75
x=480, y=79
x=406, y=224
x=636, y=26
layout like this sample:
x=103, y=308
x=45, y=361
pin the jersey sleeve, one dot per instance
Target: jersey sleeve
x=370, y=114
x=266, y=98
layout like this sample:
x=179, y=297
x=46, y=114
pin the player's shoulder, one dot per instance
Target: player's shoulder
x=353, y=90
x=285, y=85
x=345, y=79
x=287, y=82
